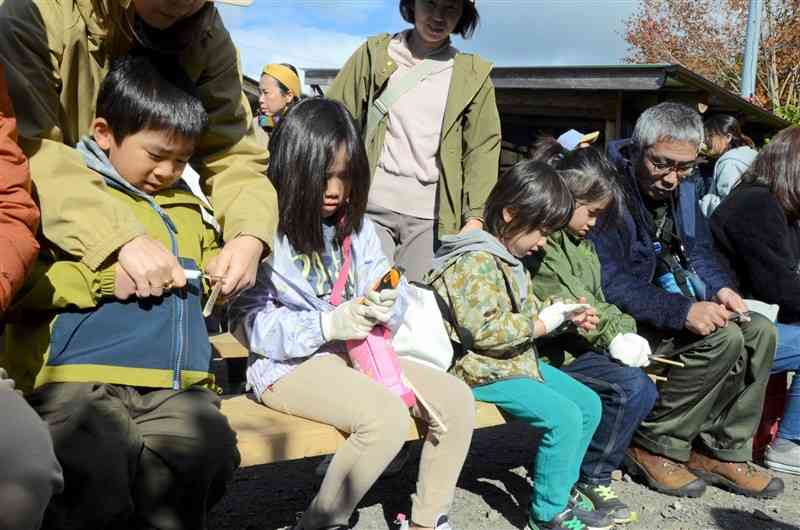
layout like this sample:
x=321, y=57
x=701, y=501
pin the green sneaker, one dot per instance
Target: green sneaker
x=603, y=499
x=572, y=519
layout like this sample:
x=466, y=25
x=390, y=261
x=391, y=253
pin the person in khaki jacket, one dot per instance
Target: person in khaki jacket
x=56, y=55
x=434, y=148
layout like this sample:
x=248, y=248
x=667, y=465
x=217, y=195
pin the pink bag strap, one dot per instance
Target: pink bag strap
x=341, y=280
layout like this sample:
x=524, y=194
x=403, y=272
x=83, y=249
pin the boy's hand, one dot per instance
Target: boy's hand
x=124, y=286
x=152, y=267
x=237, y=264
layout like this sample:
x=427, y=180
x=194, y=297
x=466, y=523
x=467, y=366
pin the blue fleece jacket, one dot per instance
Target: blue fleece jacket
x=628, y=258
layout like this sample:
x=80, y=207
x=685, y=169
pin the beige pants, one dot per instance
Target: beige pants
x=326, y=389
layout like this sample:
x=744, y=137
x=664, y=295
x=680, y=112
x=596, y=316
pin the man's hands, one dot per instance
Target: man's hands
x=472, y=224
x=150, y=267
x=731, y=300
x=706, y=317
x=237, y=264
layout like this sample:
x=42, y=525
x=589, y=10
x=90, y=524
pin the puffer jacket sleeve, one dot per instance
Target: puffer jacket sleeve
x=267, y=327
x=19, y=216
x=79, y=217
x=481, y=156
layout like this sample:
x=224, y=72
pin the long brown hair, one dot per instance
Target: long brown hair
x=778, y=167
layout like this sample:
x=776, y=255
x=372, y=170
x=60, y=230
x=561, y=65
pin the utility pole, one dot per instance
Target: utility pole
x=748, y=86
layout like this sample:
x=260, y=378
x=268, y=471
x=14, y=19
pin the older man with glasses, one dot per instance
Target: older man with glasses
x=659, y=266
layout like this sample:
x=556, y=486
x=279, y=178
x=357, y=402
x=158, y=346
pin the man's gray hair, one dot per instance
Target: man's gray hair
x=667, y=122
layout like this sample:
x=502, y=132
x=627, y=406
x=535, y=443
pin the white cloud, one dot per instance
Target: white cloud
x=303, y=47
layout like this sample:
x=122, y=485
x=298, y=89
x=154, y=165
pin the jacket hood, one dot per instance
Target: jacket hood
x=454, y=246
x=745, y=155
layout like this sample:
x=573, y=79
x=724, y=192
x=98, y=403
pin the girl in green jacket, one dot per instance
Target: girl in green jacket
x=607, y=359
x=496, y=318
x=430, y=123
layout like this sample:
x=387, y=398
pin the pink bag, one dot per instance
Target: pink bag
x=373, y=356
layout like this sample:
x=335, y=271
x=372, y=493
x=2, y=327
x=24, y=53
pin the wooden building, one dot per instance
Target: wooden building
x=552, y=99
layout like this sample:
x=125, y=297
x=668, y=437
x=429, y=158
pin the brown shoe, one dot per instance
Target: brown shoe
x=662, y=474
x=739, y=477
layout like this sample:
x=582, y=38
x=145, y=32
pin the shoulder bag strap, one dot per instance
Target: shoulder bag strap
x=341, y=280
x=381, y=105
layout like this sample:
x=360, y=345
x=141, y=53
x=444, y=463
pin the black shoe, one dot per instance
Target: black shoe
x=604, y=499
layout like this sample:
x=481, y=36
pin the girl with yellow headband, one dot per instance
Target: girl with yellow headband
x=279, y=89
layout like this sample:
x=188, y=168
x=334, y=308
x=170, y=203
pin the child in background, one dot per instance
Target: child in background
x=496, y=319
x=297, y=338
x=120, y=375
x=608, y=358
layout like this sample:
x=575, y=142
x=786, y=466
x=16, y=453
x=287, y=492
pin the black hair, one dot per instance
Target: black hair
x=144, y=91
x=536, y=197
x=303, y=147
x=777, y=166
x=724, y=125
x=466, y=25
x=591, y=177
x=547, y=149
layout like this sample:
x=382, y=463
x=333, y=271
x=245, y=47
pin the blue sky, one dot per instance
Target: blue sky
x=323, y=33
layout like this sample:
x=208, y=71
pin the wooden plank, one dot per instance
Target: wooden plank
x=227, y=347
x=266, y=436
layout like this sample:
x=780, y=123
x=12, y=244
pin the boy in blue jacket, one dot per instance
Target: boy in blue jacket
x=658, y=265
x=120, y=375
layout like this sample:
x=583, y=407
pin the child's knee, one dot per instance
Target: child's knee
x=457, y=404
x=386, y=421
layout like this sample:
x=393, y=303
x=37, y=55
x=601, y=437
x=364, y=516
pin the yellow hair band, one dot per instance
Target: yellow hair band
x=285, y=75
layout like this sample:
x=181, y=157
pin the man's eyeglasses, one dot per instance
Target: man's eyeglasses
x=665, y=166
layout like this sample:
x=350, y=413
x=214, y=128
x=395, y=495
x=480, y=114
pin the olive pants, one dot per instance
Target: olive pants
x=716, y=399
x=136, y=459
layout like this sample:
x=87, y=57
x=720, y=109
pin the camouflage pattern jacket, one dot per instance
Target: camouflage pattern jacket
x=496, y=328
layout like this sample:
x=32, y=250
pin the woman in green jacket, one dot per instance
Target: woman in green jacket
x=430, y=123
x=608, y=358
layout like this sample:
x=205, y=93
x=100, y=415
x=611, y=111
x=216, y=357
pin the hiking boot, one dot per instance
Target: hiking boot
x=603, y=499
x=663, y=474
x=571, y=519
x=742, y=478
x=784, y=456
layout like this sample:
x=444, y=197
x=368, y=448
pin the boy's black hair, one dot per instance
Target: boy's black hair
x=591, y=177
x=144, y=91
x=466, y=25
x=536, y=197
x=303, y=147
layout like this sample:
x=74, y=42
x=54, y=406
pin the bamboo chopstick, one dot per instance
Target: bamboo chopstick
x=662, y=360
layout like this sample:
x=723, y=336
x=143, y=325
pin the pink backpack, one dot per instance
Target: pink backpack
x=373, y=356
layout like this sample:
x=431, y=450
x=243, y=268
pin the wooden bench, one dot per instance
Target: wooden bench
x=266, y=436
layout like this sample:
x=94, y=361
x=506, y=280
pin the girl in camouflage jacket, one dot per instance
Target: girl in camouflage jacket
x=607, y=359
x=496, y=317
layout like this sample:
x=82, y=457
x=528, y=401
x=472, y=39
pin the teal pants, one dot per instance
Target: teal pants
x=567, y=413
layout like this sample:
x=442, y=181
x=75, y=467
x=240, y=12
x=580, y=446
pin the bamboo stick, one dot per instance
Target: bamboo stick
x=662, y=360
x=435, y=417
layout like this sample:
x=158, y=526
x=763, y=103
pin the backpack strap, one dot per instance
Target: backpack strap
x=380, y=106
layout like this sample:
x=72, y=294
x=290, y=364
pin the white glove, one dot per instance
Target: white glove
x=630, y=349
x=380, y=304
x=553, y=316
x=348, y=321
x=5, y=382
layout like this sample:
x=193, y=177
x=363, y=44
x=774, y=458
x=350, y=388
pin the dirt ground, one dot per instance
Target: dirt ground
x=491, y=495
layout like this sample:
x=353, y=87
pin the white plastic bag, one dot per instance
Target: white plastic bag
x=422, y=336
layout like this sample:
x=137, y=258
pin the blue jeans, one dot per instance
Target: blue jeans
x=627, y=395
x=787, y=359
x=566, y=413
